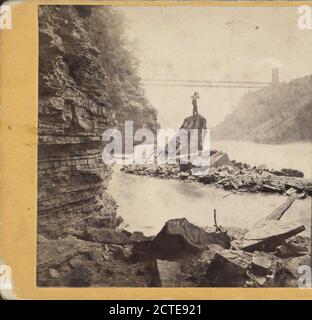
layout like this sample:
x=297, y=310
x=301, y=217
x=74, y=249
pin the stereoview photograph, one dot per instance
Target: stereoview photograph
x=174, y=147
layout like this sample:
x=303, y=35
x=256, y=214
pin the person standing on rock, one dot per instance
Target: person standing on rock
x=195, y=97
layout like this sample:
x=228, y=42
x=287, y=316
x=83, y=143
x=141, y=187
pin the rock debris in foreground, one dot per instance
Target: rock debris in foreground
x=167, y=274
x=179, y=237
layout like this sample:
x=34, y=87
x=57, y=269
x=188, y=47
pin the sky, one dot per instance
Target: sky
x=214, y=43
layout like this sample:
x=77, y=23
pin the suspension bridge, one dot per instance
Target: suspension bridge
x=205, y=83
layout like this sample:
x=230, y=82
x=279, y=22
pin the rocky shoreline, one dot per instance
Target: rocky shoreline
x=183, y=254
x=230, y=175
x=180, y=255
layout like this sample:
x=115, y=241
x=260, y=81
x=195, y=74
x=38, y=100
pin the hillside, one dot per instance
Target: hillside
x=277, y=114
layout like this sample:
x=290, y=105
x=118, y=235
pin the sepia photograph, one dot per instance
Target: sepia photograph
x=174, y=147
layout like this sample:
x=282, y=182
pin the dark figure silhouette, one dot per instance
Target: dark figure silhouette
x=195, y=97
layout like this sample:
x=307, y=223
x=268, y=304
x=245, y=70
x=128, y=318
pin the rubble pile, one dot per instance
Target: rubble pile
x=180, y=255
x=230, y=175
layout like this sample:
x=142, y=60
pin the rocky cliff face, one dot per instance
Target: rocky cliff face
x=81, y=94
x=278, y=114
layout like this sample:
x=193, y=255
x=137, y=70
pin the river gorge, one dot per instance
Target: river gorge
x=136, y=195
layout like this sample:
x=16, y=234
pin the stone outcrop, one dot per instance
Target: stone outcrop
x=231, y=268
x=179, y=238
x=78, y=100
x=87, y=84
x=215, y=167
x=204, y=257
x=219, y=159
x=295, y=247
x=167, y=274
x=268, y=234
x=292, y=172
x=180, y=143
x=106, y=235
x=197, y=122
x=70, y=262
x=235, y=268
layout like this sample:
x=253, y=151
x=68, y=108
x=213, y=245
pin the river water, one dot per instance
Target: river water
x=290, y=155
x=147, y=203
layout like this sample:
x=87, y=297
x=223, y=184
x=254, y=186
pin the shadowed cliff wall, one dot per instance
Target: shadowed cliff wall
x=86, y=85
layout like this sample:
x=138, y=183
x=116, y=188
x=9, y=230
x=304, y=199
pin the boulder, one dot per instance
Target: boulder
x=261, y=264
x=197, y=122
x=262, y=167
x=200, y=171
x=54, y=273
x=208, y=178
x=208, y=254
x=293, y=173
x=308, y=190
x=53, y=253
x=266, y=235
x=302, y=195
x=219, y=159
x=236, y=268
x=120, y=252
x=142, y=251
x=229, y=269
x=179, y=237
x=277, y=172
x=270, y=188
x=298, y=185
x=106, y=235
x=167, y=274
x=291, y=191
x=260, y=281
x=138, y=236
x=294, y=247
x=288, y=275
x=185, y=166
